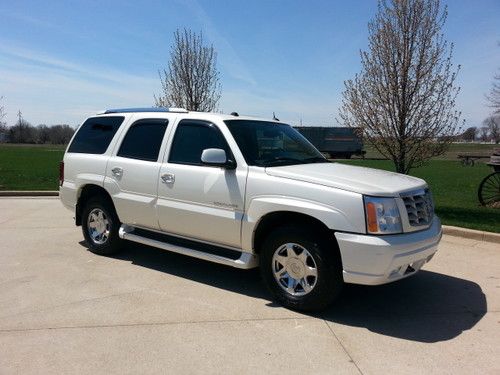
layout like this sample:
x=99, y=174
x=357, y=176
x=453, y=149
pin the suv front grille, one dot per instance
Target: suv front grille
x=419, y=207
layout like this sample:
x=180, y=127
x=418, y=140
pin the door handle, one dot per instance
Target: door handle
x=168, y=178
x=117, y=171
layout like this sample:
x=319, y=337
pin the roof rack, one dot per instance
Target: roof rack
x=152, y=109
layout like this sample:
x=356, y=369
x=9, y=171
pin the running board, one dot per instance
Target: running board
x=245, y=261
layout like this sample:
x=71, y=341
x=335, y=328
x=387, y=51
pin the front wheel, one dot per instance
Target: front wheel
x=301, y=268
x=100, y=227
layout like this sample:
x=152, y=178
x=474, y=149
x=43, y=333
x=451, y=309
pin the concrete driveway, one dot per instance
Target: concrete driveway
x=64, y=310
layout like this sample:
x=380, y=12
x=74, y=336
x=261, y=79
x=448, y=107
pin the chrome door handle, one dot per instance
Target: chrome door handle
x=117, y=171
x=168, y=178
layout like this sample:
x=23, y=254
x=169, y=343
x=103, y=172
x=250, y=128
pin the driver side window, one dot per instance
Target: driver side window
x=191, y=138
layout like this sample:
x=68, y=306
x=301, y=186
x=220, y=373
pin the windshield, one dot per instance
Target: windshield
x=269, y=144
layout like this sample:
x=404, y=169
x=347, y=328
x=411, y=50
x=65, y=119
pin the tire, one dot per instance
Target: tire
x=303, y=291
x=99, y=212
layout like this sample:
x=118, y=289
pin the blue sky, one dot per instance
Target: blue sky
x=61, y=61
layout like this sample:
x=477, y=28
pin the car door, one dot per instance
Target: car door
x=196, y=200
x=132, y=172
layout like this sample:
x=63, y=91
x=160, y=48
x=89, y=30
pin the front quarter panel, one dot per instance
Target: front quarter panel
x=338, y=209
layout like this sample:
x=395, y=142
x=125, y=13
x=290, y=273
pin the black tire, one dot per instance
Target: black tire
x=329, y=281
x=109, y=244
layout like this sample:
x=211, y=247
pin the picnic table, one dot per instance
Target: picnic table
x=468, y=159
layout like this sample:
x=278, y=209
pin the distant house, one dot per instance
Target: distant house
x=3, y=137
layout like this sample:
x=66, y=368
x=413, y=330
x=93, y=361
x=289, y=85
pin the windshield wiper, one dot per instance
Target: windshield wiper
x=316, y=159
x=287, y=160
x=281, y=160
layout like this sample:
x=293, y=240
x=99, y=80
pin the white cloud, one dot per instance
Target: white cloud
x=52, y=90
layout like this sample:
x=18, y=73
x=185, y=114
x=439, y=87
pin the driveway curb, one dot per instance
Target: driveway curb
x=471, y=234
x=28, y=193
x=447, y=229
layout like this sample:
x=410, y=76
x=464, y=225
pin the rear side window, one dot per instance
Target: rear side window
x=191, y=138
x=143, y=140
x=95, y=135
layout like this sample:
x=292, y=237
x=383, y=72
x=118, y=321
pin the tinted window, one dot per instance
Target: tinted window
x=143, y=140
x=95, y=134
x=191, y=138
x=271, y=144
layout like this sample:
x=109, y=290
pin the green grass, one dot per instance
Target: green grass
x=30, y=167
x=455, y=191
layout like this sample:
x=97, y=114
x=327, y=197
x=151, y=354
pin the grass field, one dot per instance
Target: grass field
x=30, y=167
x=454, y=187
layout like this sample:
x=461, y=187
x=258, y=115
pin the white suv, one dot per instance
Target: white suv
x=245, y=192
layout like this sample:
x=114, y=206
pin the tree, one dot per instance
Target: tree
x=22, y=131
x=191, y=80
x=494, y=96
x=484, y=134
x=493, y=124
x=404, y=97
x=2, y=112
x=60, y=134
x=3, y=126
x=42, y=134
x=470, y=134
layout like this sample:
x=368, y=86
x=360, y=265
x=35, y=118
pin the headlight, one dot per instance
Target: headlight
x=382, y=216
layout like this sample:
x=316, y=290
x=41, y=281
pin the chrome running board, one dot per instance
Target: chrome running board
x=245, y=261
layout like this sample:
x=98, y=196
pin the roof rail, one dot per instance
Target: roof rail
x=152, y=109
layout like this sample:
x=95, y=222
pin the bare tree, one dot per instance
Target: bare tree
x=191, y=80
x=404, y=97
x=2, y=111
x=22, y=131
x=470, y=134
x=494, y=96
x=484, y=134
x=60, y=134
x=3, y=126
x=493, y=124
x=42, y=134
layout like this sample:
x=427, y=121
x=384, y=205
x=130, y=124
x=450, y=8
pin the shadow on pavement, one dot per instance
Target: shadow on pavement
x=428, y=307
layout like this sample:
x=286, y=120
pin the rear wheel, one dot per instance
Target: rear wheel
x=301, y=268
x=100, y=227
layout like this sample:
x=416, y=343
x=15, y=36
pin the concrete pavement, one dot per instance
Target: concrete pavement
x=66, y=310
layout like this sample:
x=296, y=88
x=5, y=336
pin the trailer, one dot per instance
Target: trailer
x=337, y=142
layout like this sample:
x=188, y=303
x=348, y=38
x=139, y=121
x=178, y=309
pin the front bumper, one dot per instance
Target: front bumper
x=374, y=260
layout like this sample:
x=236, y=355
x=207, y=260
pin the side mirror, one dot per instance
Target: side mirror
x=217, y=158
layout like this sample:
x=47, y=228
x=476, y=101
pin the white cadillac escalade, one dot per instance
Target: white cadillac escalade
x=245, y=192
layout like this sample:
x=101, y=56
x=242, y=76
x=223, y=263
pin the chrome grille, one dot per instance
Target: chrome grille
x=419, y=207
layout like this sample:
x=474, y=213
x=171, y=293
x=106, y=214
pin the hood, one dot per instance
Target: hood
x=362, y=180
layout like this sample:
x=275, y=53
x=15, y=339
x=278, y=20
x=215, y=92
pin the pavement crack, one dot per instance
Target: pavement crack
x=153, y=324
x=343, y=347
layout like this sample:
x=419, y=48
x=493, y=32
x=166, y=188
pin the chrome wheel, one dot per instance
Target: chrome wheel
x=294, y=269
x=98, y=226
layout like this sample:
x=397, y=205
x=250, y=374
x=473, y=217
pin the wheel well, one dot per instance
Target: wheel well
x=87, y=192
x=275, y=219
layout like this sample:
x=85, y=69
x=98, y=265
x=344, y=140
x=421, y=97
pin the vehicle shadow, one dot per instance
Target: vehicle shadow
x=429, y=307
